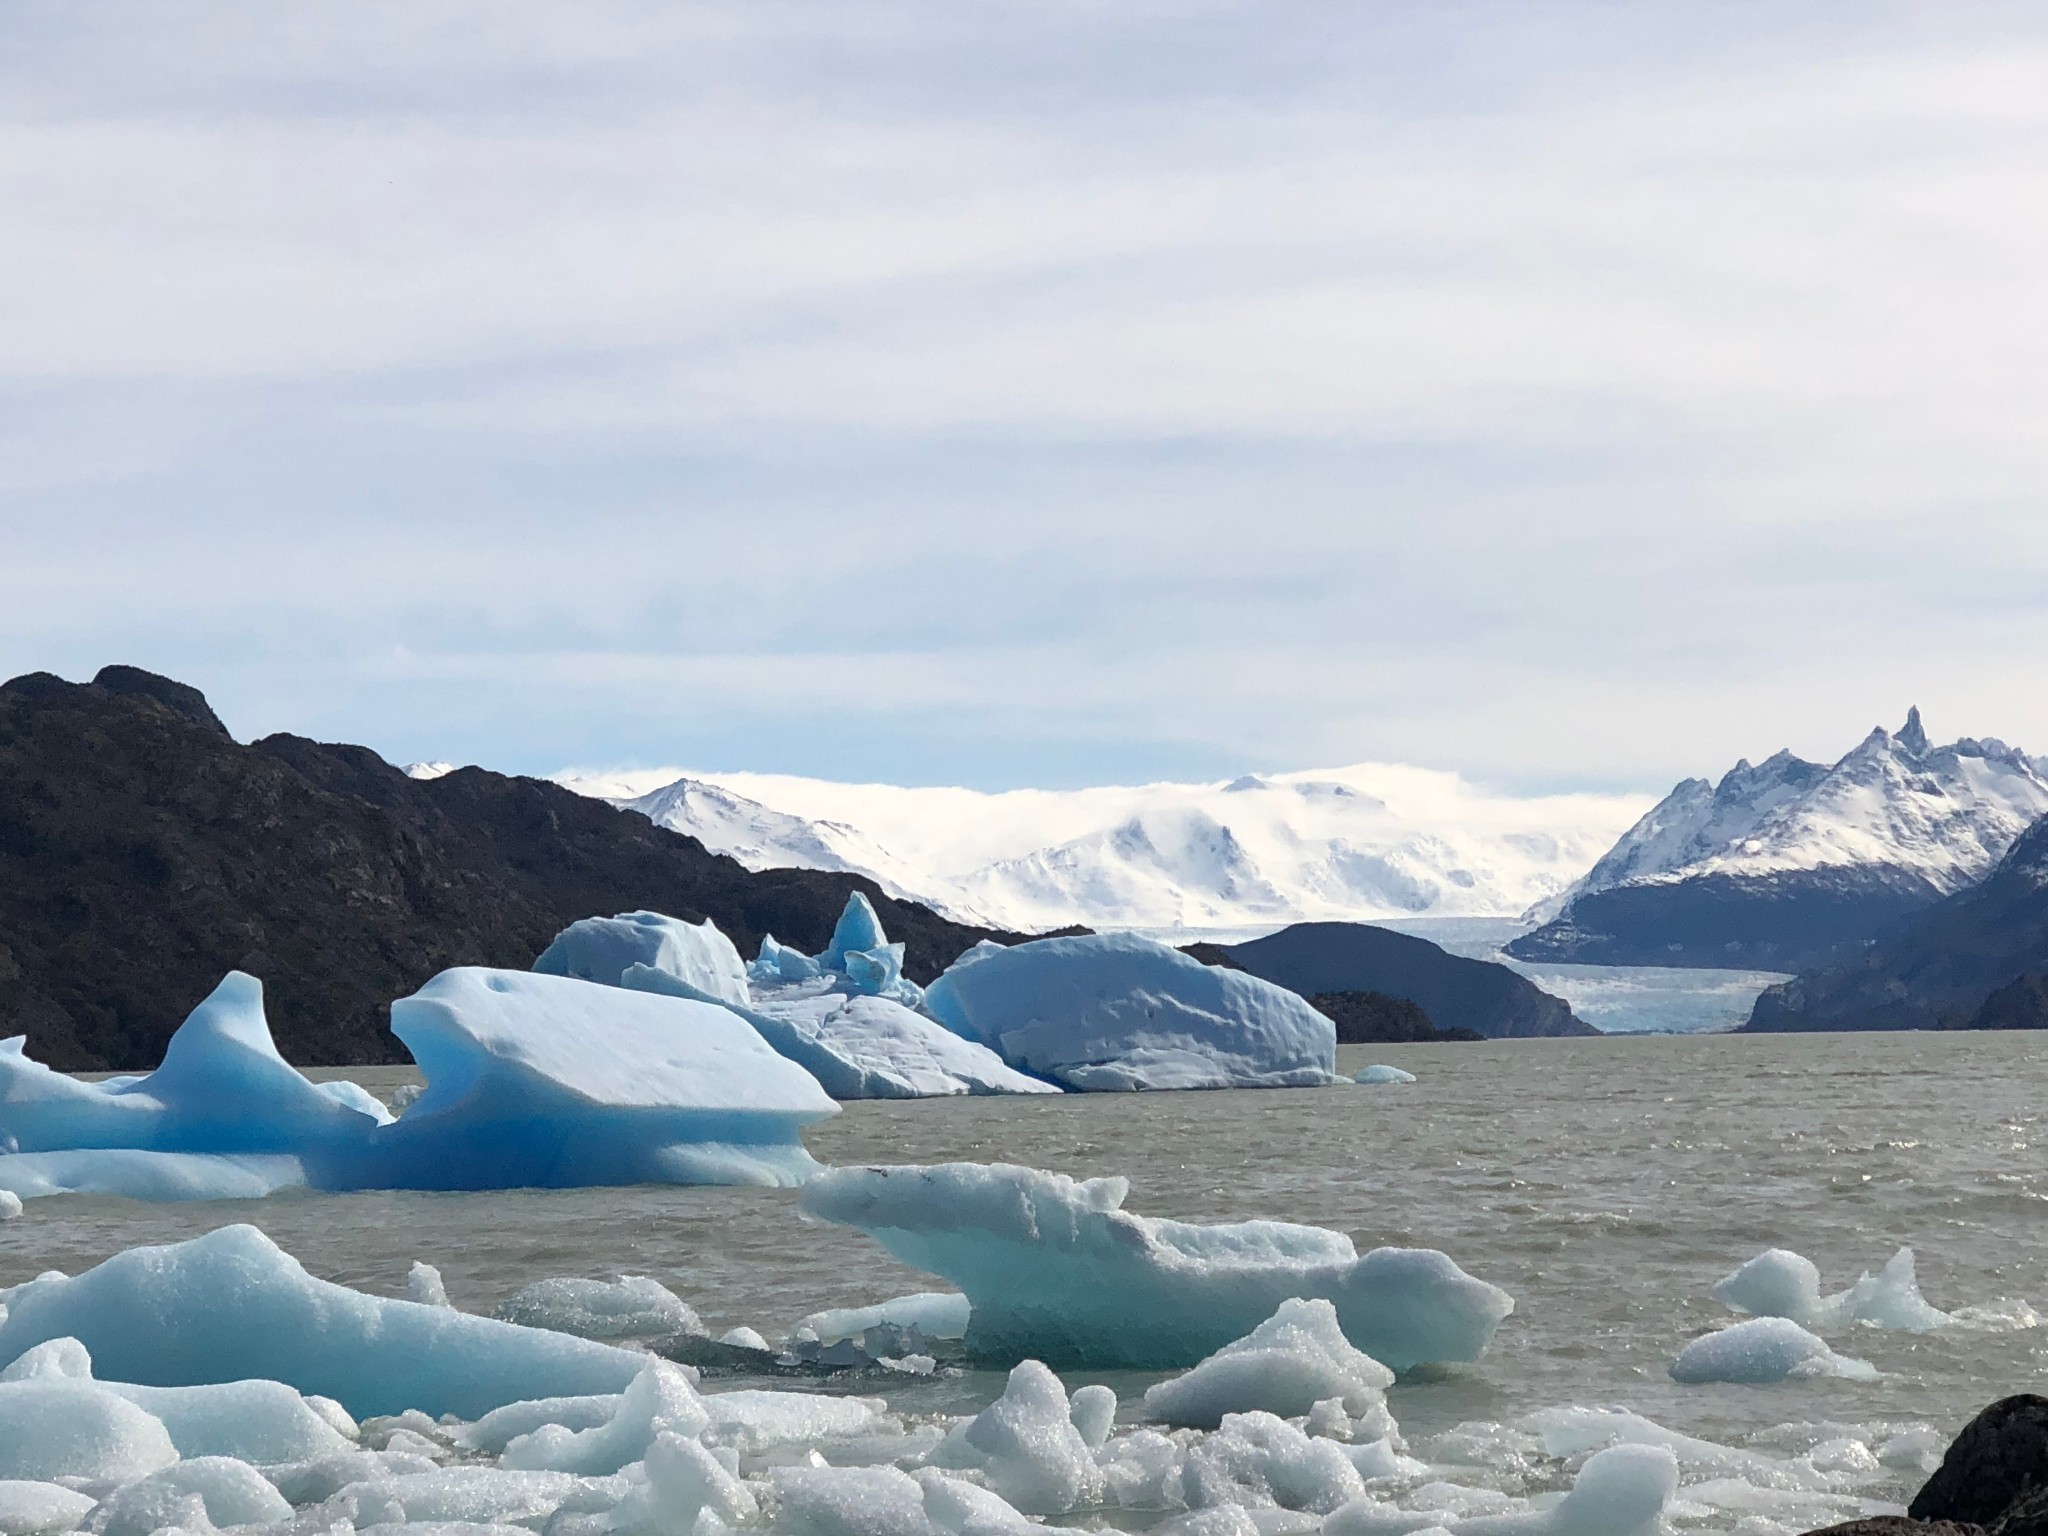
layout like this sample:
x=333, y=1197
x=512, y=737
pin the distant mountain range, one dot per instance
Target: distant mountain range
x=1370, y=841
x=1790, y=865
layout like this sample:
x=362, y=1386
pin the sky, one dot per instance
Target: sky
x=1573, y=395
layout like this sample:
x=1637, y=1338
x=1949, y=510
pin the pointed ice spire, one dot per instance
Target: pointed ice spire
x=1911, y=735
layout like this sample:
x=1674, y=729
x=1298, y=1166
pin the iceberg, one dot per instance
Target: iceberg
x=600, y=949
x=1026, y=1448
x=1292, y=1361
x=1781, y=1283
x=860, y=1047
x=222, y=1088
x=536, y=1080
x=1118, y=1012
x=1381, y=1073
x=1764, y=1349
x=859, y=962
x=1055, y=1269
x=232, y=1306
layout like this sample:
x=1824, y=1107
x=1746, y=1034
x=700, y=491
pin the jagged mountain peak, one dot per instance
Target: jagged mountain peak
x=1912, y=736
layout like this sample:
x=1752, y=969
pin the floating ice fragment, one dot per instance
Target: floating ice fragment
x=1093, y=1410
x=1380, y=1073
x=232, y=1306
x=601, y=949
x=229, y=1492
x=1118, y=1012
x=1781, y=1283
x=1764, y=1349
x=1287, y=1365
x=40, y=1509
x=743, y=1338
x=423, y=1284
x=1260, y=1460
x=935, y=1314
x=632, y=1307
x=683, y=1480
x=1026, y=1447
x=1622, y=1491
x=10, y=1205
x=1055, y=1269
x=53, y=1427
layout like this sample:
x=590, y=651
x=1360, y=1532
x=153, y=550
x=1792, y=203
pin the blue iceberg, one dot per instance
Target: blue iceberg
x=601, y=949
x=1118, y=1012
x=1056, y=1269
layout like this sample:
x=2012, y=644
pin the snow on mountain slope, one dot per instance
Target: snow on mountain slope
x=1374, y=840
x=1894, y=802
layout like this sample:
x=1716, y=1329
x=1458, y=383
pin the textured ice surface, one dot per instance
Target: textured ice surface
x=1055, y=1268
x=143, y=1175
x=1781, y=1283
x=544, y=1080
x=1294, y=1360
x=1764, y=1349
x=601, y=948
x=10, y=1205
x=935, y=1314
x=1118, y=1012
x=1380, y=1073
x=222, y=1088
x=632, y=1307
x=860, y=961
x=30, y=1508
x=1622, y=1491
x=232, y=1306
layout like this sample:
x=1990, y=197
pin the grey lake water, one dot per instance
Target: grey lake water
x=1606, y=1183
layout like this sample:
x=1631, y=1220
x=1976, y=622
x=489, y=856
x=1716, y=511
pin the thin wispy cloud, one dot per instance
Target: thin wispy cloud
x=1566, y=393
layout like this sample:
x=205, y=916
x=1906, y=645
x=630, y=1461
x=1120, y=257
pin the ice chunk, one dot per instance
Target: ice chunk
x=55, y=1427
x=935, y=1314
x=866, y=1047
x=858, y=930
x=601, y=949
x=1622, y=1491
x=1114, y=1011
x=743, y=1338
x=683, y=1480
x=423, y=1284
x=883, y=1501
x=1781, y=1283
x=232, y=1306
x=472, y=1495
x=753, y=1423
x=259, y=1421
x=1761, y=1350
x=1093, y=1410
x=501, y=1426
x=1262, y=1461
x=10, y=1205
x=1287, y=1365
x=40, y=1509
x=222, y=1088
x=1055, y=1269
x=632, y=1307
x=860, y=962
x=779, y=965
x=141, y=1175
x=548, y=1081
x=229, y=1492
x=1026, y=1448
x=1380, y=1073
x=659, y=1398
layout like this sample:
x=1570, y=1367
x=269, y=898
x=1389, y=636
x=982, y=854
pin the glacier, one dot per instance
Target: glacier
x=532, y=1080
x=1120, y=1012
x=1056, y=1269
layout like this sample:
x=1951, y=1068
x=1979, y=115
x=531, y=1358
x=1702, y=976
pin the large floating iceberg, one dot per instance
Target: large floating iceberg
x=532, y=1080
x=1115, y=1012
x=1056, y=1269
x=601, y=949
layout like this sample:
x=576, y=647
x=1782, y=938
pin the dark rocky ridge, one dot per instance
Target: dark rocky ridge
x=1373, y=1018
x=1455, y=993
x=144, y=852
x=1790, y=921
x=1973, y=961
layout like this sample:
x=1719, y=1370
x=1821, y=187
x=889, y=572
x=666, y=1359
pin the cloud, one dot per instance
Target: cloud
x=1566, y=394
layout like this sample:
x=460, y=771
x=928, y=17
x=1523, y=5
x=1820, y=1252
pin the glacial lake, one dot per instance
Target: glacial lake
x=1605, y=1183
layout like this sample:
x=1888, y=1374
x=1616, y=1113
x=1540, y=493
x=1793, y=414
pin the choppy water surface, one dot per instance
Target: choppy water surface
x=1605, y=1183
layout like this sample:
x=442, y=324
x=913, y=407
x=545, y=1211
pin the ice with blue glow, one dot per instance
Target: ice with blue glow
x=859, y=962
x=532, y=1080
x=601, y=949
x=1055, y=1268
x=1120, y=1012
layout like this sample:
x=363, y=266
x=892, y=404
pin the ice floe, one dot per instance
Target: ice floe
x=1055, y=1268
x=1118, y=1012
x=1381, y=1073
x=1764, y=1349
x=1781, y=1283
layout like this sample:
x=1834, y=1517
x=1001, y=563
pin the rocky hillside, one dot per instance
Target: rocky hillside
x=1977, y=960
x=144, y=852
x=1454, y=992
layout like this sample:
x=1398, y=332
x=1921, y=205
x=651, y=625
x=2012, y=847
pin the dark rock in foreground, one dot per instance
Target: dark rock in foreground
x=144, y=853
x=1999, y=1459
x=1454, y=992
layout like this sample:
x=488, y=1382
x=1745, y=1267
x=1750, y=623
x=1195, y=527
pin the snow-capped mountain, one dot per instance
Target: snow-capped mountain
x=1370, y=841
x=1789, y=857
x=428, y=770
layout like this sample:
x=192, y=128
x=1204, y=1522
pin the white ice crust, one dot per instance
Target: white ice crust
x=601, y=948
x=1297, y=1358
x=1764, y=1349
x=1055, y=1268
x=1380, y=1073
x=1118, y=1012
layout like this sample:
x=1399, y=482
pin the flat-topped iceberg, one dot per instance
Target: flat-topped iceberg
x=1055, y=1268
x=532, y=1080
x=233, y=1306
x=601, y=949
x=1119, y=1012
